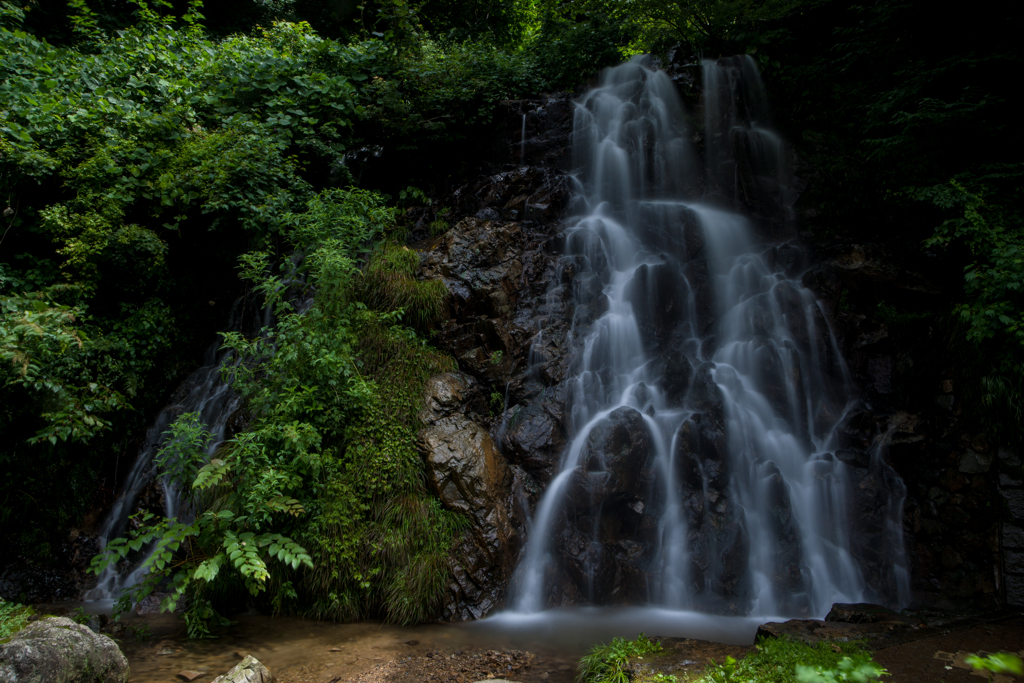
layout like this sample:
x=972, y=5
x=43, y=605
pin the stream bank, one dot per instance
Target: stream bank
x=302, y=651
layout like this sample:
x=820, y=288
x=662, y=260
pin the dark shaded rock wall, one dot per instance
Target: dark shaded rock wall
x=913, y=412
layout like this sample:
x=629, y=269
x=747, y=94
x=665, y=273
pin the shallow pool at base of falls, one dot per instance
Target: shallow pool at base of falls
x=299, y=650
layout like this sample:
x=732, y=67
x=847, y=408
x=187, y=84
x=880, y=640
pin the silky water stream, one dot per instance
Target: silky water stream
x=705, y=472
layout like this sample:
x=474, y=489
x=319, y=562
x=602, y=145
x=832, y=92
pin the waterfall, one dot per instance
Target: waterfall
x=706, y=469
x=203, y=392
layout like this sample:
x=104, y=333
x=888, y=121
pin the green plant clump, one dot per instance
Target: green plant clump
x=610, y=663
x=13, y=618
x=780, y=660
x=998, y=663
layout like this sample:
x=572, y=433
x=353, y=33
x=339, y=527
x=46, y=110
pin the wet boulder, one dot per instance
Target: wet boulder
x=659, y=296
x=471, y=476
x=706, y=397
x=873, y=508
x=857, y=429
x=699, y=280
x=481, y=267
x=547, y=124
x=614, y=459
x=249, y=670
x=719, y=553
x=521, y=194
x=675, y=371
x=863, y=613
x=788, y=550
x=533, y=436
x=607, y=555
x=57, y=650
x=608, y=537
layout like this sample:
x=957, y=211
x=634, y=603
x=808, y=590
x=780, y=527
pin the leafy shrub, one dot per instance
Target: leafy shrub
x=568, y=52
x=330, y=459
x=984, y=219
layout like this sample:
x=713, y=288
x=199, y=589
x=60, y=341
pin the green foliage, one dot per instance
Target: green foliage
x=412, y=195
x=320, y=504
x=609, y=663
x=79, y=616
x=998, y=663
x=388, y=284
x=501, y=22
x=985, y=221
x=123, y=158
x=39, y=345
x=846, y=670
x=569, y=46
x=779, y=660
x=722, y=673
x=13, y=618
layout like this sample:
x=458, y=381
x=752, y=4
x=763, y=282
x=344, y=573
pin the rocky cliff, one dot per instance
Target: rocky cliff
x=515, y=300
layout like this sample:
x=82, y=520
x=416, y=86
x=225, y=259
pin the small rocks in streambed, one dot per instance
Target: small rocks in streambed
x=57, y=650
x=190, y=675
x=442, y=667
x=249, y=670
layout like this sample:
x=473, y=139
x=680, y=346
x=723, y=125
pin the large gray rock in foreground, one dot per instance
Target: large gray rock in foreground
x=249, y=670
x=57, y=650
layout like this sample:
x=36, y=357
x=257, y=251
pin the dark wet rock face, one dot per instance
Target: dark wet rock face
x=57, y=650
x=614, y=462
x=532, y=436
x=470, y=476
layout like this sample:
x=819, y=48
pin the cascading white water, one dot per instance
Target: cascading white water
x=205, y=393
x=704, y=469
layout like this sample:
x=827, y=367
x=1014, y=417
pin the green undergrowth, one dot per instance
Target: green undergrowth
x=775, y=660
x=13, y=618
x=320, y=506
x=780, y=660
x=610, y=663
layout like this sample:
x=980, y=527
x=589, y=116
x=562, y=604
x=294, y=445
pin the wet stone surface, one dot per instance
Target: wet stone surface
x=470, y=475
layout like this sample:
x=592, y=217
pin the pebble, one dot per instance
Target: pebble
x=190, y=675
